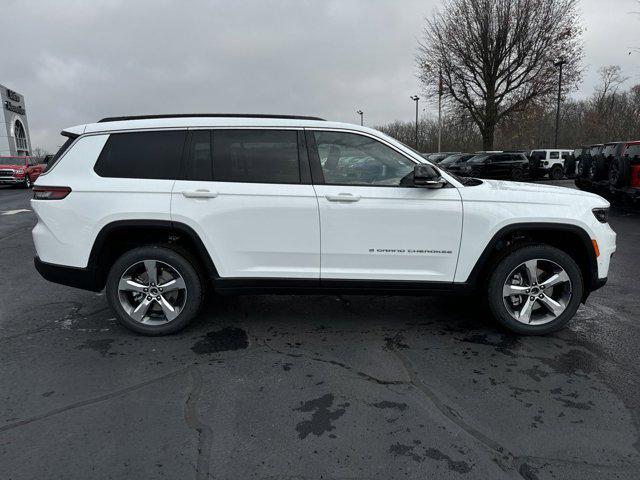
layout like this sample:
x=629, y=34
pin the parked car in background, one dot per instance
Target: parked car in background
x=21, y=171
x=590, y=153
x=600, y=164
x=438, y=157
x=514, y=166
x=456, y=159
x=549, y=162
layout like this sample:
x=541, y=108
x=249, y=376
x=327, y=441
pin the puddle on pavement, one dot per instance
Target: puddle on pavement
x=221, y=341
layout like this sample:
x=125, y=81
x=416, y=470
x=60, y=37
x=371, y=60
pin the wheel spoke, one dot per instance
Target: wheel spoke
x=509, y=290
x=141, y=310
x=152, y=270
x=169, y=310
x=555, y=279
x=128, y=285
x=532, y=271
x=524, y=315
x=172, y=285
x=555, y=307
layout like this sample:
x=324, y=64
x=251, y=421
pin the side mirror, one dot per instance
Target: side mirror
x=428, y=177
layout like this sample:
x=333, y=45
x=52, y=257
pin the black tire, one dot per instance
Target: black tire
x=181, y=263
x=517, y=174
x=505, y=266
x=619, y=172
x=556, y=173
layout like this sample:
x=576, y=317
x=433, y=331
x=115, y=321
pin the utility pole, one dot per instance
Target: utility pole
x=361, y=113
x=416, y=99
x=559, y=65
x=440, y=111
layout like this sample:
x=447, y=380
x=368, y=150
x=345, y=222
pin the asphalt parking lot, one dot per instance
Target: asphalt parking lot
x=277, y=387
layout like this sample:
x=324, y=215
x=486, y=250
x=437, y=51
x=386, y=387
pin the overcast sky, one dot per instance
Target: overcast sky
x=77, y=61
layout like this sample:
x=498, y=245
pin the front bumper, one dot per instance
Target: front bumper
x=83, y=278
x=11, y=180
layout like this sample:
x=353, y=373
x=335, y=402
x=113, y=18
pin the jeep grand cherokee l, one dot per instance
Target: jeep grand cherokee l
x=160, y=209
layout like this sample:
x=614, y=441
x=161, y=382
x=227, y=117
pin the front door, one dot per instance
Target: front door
x=372, y=228
x=248, y=195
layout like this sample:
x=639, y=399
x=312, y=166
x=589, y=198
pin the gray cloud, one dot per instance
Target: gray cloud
x=77, y=61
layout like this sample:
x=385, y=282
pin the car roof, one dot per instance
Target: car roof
x=208, y=120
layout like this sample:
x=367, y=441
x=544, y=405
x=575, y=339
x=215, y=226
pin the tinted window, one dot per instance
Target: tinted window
x=502, y=158
x=595, y=150
x=577, y=152
x=198, y=164
x=153, y=155
x=256, y=156
x=351, y=159
x=632, y=150
x=608, y=150
x=566, y=155
x=65, y=146
x=554, y=155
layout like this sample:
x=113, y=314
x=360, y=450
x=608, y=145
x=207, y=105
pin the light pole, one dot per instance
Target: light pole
x=558, y=65
x=361, y=113
x=416, y=99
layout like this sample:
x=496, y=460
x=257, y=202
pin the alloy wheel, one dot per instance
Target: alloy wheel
x=537, y=291
x=152, y=292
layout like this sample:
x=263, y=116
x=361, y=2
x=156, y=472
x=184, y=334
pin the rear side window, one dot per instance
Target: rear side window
x=554, y=155
x=256, y=156
x=632, y=150
x=152, y=155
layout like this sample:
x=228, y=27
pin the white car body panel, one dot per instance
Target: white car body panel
x=253, y=229
x=390, y=233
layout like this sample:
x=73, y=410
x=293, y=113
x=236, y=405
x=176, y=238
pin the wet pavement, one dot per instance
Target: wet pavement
x=279, y=387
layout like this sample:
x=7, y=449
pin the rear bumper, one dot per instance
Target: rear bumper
x=83, y=278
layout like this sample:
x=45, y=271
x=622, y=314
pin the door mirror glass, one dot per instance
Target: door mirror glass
x=427, y=176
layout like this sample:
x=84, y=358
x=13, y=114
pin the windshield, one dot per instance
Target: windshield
x=12, y=160
x=450, y=160
x=478, y=158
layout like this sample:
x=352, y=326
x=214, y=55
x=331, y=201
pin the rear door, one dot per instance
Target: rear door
x=248, y=194
x=374, y=226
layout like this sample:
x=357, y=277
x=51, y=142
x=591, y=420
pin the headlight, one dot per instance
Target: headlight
x=602, y=214
x=20, y=172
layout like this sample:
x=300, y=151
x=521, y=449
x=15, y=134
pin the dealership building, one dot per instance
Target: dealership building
x=14, y=128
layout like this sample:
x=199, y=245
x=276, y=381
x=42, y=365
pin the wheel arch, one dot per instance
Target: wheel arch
x=117, y=237
x=572, y=239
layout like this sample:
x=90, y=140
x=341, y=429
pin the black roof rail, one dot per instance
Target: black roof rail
x=215, y=115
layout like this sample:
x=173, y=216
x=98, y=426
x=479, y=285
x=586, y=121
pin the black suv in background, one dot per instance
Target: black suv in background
x=588, y=155
x=600, y=163
x=509, y=165
x=454, y=162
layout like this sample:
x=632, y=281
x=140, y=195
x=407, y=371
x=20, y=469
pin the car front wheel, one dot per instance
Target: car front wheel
x=535, y=290
x=154, y=290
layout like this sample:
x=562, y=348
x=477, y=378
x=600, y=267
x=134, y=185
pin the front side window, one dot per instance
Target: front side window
x=256, y=156
x=352, y=159
x=149, y=155
x=199, y=163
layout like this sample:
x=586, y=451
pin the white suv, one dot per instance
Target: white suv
x=159, y=209
x=551, y=162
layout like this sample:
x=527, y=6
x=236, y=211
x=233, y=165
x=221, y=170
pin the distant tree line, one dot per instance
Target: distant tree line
x=611, y=113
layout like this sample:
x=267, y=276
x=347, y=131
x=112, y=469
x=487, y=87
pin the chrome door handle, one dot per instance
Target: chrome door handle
x=343, y=197
x=200, y=194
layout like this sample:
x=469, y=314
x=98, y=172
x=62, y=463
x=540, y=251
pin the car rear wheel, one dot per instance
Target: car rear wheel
x=556, y=173
x=517, y=174
x=535, y=290
x=154, y=290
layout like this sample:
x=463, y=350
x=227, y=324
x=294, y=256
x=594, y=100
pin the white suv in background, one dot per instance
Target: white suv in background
x=551, y=162
x=160, y=209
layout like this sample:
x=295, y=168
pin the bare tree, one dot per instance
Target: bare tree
x=497, y=56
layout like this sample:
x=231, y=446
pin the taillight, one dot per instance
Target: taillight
x=50, y=193
x=635, y=176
